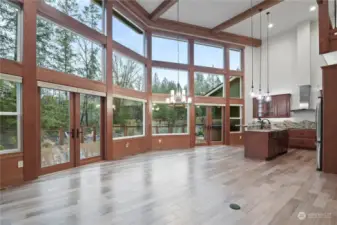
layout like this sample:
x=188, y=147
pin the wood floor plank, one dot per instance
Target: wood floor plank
x=181, y=187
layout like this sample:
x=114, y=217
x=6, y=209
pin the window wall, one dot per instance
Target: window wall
x=10, y=22
x=65, y=51
x=128, y=73
x=209, y=85
x=166, y=49
x=127, y=33
x=10, y=114
x=235, y=118
x=128, y=118
x=208, y=55
x=165, y=80
x=88, y=12
x=168, y=119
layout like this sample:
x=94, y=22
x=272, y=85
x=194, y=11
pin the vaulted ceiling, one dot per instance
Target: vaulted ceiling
x=232, y=16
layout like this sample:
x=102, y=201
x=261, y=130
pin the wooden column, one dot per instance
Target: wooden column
x=191, y=91
x=227, y=109
x=324, y=26
x=31, y=147
x=148, y=105
x=109, y=99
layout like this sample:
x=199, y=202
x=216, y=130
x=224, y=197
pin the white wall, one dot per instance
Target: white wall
x=288, y=69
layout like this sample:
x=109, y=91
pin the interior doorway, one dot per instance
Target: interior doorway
x=209, y=127
x=70, y=129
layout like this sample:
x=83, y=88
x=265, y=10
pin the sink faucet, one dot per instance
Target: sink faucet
x=262, y=122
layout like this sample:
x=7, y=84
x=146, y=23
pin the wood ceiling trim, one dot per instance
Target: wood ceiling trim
x=132, y=7
x=161, y=9
x=266, y=4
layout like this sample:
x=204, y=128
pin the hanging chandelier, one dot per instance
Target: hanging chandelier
x=252, y=94
x=178, y=96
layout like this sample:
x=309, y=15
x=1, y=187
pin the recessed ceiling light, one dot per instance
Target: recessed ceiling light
x=270, y=25
x=313, y=8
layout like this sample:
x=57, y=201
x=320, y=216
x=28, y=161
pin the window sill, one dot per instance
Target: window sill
x=127, y=137
x=8, y=151
x=168, y=134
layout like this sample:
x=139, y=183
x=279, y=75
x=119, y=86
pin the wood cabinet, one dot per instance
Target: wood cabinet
x=266, y=145
x=302, y=138
x=278, y=107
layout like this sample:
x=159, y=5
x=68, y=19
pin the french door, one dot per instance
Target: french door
x=209, y=125
x=70, y=129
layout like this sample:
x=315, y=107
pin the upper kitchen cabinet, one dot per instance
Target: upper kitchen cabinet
x=278, y=107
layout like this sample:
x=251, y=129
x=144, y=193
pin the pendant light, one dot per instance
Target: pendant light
x=178, y=96
x=268, y=97
x=260, y=96
x=252, y=94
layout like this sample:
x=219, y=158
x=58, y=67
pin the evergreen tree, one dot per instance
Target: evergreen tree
x=8, y=31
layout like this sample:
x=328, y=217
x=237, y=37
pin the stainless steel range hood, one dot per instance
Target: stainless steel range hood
x=305, y=97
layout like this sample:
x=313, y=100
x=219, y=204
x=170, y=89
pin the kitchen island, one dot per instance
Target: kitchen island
x=265, y=144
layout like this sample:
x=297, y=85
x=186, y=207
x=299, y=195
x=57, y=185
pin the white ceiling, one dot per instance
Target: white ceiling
x=285, y=16
x=205, y=13
x=210, y=13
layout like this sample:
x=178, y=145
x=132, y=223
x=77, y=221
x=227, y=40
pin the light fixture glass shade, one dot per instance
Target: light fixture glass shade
x=252, y=94
x=259, y=96
x=168, y=100
x=189, y=100
x=268, y=98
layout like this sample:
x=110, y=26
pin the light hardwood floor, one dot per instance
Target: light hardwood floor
x=185, y=187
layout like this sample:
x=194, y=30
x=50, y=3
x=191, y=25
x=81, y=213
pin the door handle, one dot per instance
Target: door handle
x=72, y=133
x=78, y=133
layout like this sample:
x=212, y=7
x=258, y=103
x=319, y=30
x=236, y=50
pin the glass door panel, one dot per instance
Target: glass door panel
x=201, y=131
x=90, y=126
x=55, y=133
x=216, y=123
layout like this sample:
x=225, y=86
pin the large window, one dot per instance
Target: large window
x=128, y=118
x=10, y=114
x=9, y=26
x=167, y=119
x=235, y=118
x=165, y=80
x=210, y=85
x=166, y=49
x=88, y=12
x=127, y=34
x=62, y=50
x=207, y=55
x=235, y=60
x=235, y=83
x=128, y=73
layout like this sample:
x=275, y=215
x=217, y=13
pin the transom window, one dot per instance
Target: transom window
x=128, y=34
x=166, y=49
x=59, y=49
x=208, y=55
x=10, y=21
x=165, y=80
x=88, y=12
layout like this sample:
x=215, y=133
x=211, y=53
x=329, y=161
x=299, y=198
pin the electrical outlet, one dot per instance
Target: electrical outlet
x=127, y=145
x=159, y=141
x=20, y=164
x=240, y=137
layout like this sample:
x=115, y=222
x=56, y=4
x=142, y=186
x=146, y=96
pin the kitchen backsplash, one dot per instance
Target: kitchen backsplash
x=287, y=124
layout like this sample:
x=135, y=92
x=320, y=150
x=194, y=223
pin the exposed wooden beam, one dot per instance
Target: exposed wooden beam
x=266, y=4
x=161, y=9
x=133, y=9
